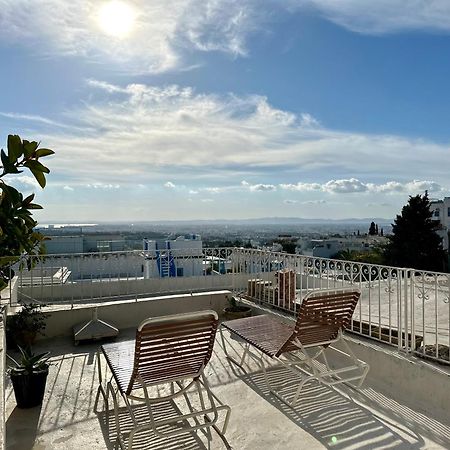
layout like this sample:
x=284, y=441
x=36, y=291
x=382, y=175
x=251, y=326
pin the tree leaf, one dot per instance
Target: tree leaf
x=8, y=166
x=29, y=199
x=40, y=177
x=29, y=148
x=36, y=165
x=7, y=259
x=15, y=149
x=44, y=152
x=34, y=206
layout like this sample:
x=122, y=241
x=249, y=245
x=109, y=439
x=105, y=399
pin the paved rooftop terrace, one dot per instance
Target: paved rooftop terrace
x=323, y=419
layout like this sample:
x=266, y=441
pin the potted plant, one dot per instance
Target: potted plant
x=236, y=311
x=29, y=377
x=23, y=327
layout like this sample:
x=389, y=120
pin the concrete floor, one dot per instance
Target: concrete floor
x=323, y=419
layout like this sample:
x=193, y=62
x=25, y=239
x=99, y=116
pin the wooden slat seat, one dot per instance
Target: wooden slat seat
x=120, y=358
x=162, y=350
x=318, y=322
x=170, y=350
x=322, y=317
x=264, y=332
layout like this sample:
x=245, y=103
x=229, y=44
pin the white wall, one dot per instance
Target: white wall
x=128, y=314
x=84, y=291
x=2, y=378
x=64, y=244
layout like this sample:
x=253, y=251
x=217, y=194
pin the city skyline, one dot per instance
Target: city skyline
x=223, y=109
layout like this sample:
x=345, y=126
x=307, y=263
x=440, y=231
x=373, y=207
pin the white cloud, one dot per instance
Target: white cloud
x=301, y=186
x=307, y=120
x=290, y=202
x=314, y=202
x=408, y=187
x=382, y=16
x=345, y=186
x=135, y=132
x=260, y=187
x=166, y=32
x=418, y=185
x=68, y=188
x=163, y=31
x=22, y=180
x=32, y=118
x=353, y=185
x=213, y=190
x=105, y=186
x=169, y=185
x=206, y=200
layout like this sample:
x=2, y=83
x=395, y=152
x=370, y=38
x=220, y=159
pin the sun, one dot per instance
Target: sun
x=116, y=18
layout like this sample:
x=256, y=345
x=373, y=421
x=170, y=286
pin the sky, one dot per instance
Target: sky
x=228, y=109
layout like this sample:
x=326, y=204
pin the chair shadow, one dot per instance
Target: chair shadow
x=189, y=440
x=335, y=420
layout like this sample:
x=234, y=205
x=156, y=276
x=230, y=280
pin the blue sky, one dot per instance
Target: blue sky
x=229, y=109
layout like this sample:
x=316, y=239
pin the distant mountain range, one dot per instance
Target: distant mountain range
x=276, y=221
x=256, y=221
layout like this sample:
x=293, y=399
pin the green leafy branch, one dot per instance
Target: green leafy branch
x=17, y=235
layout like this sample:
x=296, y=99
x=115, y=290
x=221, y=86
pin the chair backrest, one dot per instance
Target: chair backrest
x=322, y=314
x=173, y=347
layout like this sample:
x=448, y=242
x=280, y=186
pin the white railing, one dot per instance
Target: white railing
x=93, y=277
x=403, y=307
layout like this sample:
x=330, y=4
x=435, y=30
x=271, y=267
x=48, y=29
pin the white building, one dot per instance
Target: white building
x=441, y=213
x=181, y=257
x=325, y=248
x=328, y=248
x=64, y=244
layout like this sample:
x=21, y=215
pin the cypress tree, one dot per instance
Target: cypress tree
x=414, y=242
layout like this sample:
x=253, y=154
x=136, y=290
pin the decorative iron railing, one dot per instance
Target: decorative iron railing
x=399, y=306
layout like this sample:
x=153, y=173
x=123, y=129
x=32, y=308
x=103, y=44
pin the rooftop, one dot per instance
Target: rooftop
x=402, y=318
x=371, y=418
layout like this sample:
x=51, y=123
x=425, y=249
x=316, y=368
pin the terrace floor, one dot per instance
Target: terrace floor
x=324, y=418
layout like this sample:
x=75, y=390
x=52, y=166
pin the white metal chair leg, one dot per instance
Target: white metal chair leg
x=246, y=347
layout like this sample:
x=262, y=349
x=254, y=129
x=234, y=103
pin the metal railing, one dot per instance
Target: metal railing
x=402, y=307
x=399, y=306
x=107, y=276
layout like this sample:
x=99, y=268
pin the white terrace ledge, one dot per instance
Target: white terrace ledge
x=403, y=404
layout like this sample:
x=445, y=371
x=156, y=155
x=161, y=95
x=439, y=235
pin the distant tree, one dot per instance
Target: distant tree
x=374, y=256
x=347, y=255
x=414, y=242
x=248, y=244
x=376, y=229
x=381, y=232
x=372, y=229
x=358, y=233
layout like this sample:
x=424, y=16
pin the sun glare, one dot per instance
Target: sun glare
x=116, y=18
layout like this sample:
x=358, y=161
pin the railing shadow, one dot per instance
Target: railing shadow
x=332, y=416
x=147, y=439
x=335, y=420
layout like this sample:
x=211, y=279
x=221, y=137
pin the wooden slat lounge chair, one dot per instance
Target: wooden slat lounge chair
x=172, y=351
x=322, y=317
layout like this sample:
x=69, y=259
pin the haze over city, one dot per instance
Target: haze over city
x=169, y=110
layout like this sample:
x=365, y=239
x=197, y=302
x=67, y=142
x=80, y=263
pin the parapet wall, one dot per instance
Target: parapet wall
x=129, y=313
